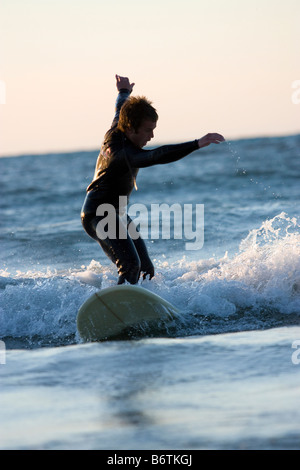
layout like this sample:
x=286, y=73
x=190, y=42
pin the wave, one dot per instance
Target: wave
x=257, y=288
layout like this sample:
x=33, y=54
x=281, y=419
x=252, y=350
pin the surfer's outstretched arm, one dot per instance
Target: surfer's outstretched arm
x=210, y=139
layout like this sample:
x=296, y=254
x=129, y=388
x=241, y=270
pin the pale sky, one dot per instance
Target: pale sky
x=224, y=66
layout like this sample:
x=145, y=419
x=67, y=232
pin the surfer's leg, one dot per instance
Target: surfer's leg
x=122, y=252
x=146, y=263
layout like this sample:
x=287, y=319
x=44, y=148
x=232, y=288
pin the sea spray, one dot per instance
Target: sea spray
x=213, y=295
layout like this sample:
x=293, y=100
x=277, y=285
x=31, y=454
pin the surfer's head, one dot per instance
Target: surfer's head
x=138, y=120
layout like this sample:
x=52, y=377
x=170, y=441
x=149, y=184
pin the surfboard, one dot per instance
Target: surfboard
x=111, y=311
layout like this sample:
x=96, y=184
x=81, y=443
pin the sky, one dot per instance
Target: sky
x=226, y=66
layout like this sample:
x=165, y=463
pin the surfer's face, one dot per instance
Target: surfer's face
x=144, y=133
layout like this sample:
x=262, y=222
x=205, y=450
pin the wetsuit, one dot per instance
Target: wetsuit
x=115, y=173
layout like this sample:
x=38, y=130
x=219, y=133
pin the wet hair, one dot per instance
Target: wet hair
x=134, y=111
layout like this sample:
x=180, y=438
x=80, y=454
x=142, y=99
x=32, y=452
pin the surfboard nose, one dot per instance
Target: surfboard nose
x=111, y=311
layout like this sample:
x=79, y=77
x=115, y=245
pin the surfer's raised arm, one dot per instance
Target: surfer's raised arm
x=123, y=83
x=124, y=88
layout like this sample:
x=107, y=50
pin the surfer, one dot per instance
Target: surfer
x=117, y=166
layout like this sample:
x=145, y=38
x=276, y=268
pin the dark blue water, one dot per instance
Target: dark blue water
x=227, y=361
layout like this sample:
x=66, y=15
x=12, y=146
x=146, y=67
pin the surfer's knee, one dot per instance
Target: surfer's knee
x=88, y=223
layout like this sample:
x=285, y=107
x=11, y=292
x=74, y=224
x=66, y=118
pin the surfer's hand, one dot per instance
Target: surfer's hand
x=210, y=139
x=123, y=82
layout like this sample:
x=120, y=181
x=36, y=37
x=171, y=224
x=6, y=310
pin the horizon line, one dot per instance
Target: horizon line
x=97, y=149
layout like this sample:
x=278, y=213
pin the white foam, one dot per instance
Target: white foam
x=264, y=274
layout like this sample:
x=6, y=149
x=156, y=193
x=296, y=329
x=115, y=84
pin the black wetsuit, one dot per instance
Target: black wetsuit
x=116, y=169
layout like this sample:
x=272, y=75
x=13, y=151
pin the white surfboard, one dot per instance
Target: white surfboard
x=109, y=312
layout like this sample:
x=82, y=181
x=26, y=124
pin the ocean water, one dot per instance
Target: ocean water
x=225, y=374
